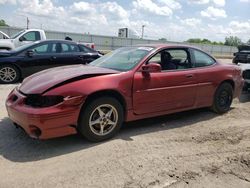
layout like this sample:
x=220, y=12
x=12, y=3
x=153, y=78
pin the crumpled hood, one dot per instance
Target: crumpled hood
x=42, y=81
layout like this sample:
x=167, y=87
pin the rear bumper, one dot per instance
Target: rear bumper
x=42, y=123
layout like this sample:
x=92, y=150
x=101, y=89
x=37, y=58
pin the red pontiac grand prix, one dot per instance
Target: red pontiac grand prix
x=127, y=84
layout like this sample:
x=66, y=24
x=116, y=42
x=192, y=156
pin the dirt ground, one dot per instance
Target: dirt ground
x=190, y=149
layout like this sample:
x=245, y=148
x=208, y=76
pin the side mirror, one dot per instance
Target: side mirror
x=30, y=53
x=21, y=39
x=151, y=67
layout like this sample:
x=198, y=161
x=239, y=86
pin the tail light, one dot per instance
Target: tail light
x=92, y=46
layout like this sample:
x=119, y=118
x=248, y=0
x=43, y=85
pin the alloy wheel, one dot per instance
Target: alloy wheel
x=103, y=119
x=8, y=74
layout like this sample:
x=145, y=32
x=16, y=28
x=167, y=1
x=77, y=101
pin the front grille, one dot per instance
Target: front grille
x=246, y=74
x=243, y=56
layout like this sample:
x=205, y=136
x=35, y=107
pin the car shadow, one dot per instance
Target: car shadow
x=16, y=146
x=244, y=97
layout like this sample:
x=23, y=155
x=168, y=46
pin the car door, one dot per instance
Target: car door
x=39, y=57
x=69, y=55
x=168, y=90
x=28, y=37
x=207, y=76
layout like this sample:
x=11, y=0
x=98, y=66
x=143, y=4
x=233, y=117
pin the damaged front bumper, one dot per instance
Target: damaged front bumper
x=44, y=123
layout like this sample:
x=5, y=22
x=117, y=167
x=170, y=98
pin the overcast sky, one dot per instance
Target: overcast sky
x=176, y=20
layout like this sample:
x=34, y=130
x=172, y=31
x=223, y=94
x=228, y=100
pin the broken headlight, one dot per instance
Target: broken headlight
x=39, y=101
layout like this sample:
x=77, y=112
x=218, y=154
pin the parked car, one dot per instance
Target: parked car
x=243, y=54
x=31, y=58
x=21, y=38
x=242, y=58
x=127, y=84
x=27, y=36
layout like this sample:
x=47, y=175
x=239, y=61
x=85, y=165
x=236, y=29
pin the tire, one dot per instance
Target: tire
x=223, y=98
x=9, y=74
x=106, y=112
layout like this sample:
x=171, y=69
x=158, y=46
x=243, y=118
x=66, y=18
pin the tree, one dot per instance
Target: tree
x=248, y=42
x=204, y=41
x=3, y=23
x=232, y=41
x=194, y=40
x=163, y=39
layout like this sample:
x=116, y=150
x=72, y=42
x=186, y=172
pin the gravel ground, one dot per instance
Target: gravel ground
x=190, y=149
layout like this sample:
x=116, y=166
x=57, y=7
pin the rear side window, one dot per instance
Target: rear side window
x=65, y=48
x=69, y=48
x=202, y=59
x=74, y=48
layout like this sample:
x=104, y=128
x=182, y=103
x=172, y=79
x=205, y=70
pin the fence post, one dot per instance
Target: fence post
x=212, y=49
x=112, y=43
x=91, y=38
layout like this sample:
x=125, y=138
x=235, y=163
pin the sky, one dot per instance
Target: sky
x=175, y=20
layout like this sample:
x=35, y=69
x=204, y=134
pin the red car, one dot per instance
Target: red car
x=127, y=84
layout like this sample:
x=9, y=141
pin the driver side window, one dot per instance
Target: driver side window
x=172, y=59
x=41, y=49
x=31, y=36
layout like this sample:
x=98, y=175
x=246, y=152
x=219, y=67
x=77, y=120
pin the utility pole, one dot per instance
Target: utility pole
x=142, y=31
x=27, y=22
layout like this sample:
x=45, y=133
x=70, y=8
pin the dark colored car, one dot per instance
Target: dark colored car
x=243, y=54
x=130, y=83
x=40, y=55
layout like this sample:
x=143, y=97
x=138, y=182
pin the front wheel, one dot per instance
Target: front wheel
x=223, y=98
x=101, y=119
x=9, y=74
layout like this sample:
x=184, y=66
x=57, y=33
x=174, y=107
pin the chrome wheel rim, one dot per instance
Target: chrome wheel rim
x=7, y=74
x=103, y=119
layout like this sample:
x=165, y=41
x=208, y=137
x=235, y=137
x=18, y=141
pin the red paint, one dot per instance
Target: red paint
x=145, y=95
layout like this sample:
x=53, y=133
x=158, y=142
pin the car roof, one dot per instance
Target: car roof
x=57, y=40
x=162, y=45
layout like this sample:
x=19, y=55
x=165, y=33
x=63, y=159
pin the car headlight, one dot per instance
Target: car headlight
x=40, y=101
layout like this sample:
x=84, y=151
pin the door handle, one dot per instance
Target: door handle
x=189, y=75
x=53, y=57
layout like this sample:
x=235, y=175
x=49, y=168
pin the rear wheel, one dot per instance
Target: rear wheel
x=223, y=98
x=9, y=74
x=101, y=119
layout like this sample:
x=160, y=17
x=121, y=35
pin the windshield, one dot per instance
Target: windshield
x=17, y=34
x=122, y=59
